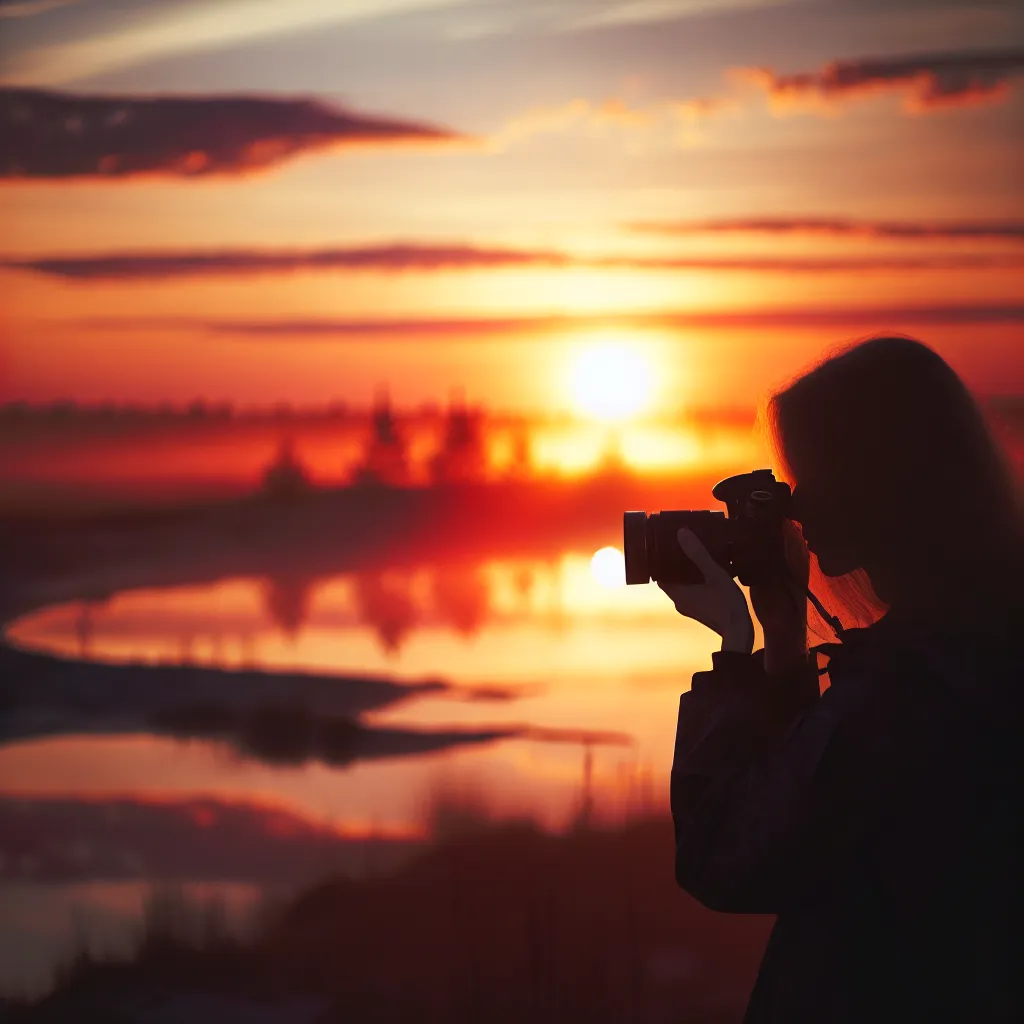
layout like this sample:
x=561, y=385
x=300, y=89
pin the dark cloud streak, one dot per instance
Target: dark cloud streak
x=541, y=327
x=402, y=258
x=996, y=230
x=62, y=135
x=929, y=80
x=31, y=8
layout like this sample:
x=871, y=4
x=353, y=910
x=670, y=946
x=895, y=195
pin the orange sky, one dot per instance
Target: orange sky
x=565, y=185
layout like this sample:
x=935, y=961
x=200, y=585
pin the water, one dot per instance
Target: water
x=552, y=698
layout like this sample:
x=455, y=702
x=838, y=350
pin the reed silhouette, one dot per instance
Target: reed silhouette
x=500, y=922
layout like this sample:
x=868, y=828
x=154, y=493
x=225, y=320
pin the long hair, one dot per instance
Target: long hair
x=889, y=431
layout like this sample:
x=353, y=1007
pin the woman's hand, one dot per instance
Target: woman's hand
x=781, y=607
x=718, y=602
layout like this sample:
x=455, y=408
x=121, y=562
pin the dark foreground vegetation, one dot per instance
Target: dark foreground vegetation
x=497, y=923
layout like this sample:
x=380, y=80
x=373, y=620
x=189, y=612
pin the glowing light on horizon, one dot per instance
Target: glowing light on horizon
x=608, y=567
x=611, y=382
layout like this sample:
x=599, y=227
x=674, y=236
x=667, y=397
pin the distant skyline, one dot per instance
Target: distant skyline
x=257, y=202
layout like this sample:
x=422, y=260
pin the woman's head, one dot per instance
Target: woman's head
x=896, y=473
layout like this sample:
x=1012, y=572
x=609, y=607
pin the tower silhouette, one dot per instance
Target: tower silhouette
x=462, y=456
x=386, y=461
x=286, y=477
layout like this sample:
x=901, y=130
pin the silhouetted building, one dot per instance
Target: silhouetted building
x=286, y=476
x=386, y=457
x=462, y=456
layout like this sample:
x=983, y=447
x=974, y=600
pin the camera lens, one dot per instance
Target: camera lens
x=634, y=547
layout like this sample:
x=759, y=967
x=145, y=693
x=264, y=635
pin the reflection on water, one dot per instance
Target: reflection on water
x=503, y=619
x=516, y=688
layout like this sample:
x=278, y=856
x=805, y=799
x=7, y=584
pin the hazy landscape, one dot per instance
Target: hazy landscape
x=334, y=341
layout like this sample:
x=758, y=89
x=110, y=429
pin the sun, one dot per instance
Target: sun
x=608, y=567
x=610, y=382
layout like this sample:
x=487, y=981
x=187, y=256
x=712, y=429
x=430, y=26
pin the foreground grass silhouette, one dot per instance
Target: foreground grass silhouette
x=501, y=923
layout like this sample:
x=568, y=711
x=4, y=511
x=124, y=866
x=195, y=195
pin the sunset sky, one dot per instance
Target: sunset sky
x=259, y=201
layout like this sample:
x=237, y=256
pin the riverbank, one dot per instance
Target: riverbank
x=499, y=923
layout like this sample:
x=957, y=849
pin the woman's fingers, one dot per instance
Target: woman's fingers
x=695, y=551
x=718, y=602
x=688, y=598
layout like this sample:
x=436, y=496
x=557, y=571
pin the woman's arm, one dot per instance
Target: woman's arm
x=747, y=747
x=748, y=740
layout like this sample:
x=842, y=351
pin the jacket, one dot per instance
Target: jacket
x=878, y=820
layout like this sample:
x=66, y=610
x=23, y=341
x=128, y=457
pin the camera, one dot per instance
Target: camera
x=746, y=539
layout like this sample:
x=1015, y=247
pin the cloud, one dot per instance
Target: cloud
x=62, y=135
x=420, y=258
x=680, y=116
x=648, y=12
x=397, y=258
x=927, y=81
x=994, y=230
x=30, y=8
x=530, y=328
x=165, y=30
x=576, y=113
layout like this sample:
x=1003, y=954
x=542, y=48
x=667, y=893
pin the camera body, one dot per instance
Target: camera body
x=746, y=539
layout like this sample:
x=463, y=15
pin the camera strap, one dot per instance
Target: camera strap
x=832, y=620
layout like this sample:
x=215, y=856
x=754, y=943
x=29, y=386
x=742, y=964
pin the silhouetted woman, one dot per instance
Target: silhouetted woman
x=878, y=820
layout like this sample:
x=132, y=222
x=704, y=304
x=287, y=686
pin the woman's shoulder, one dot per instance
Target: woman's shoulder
x=956, y=665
